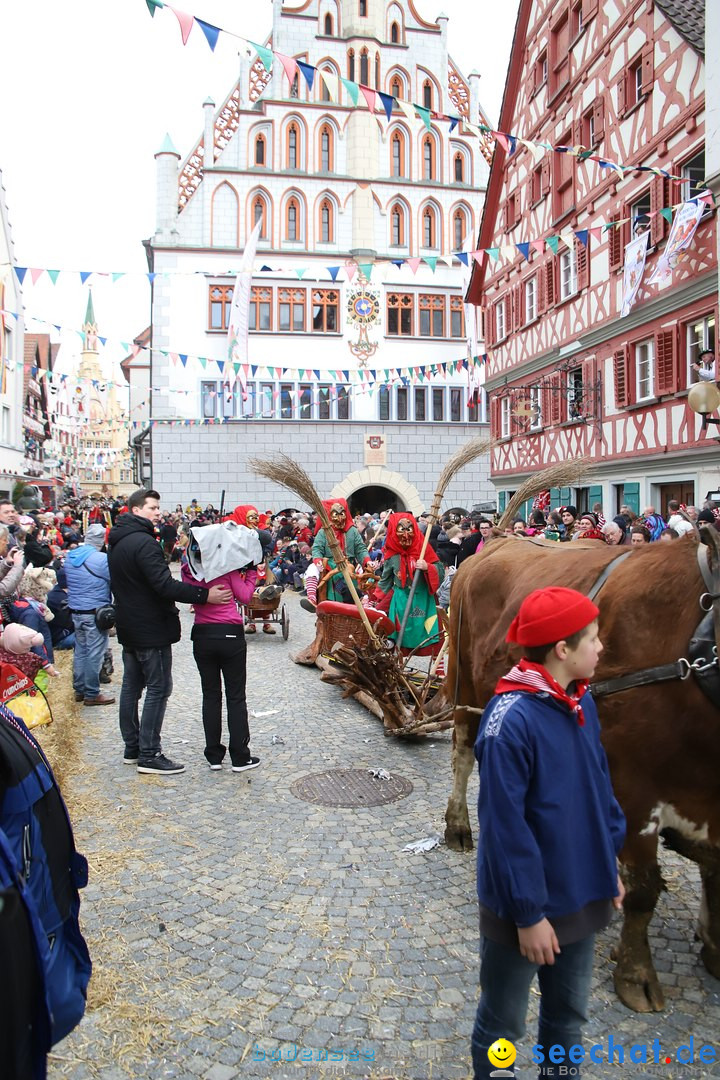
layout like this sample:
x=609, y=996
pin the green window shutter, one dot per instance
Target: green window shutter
x=502, y=501
x=631, y=496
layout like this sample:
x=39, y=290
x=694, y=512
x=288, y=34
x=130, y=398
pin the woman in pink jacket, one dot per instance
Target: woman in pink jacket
x=219, y=649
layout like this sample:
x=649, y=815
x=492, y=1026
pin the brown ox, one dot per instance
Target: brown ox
x=662, y=740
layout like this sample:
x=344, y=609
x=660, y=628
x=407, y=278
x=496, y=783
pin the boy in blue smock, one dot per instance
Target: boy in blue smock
x=550, y=832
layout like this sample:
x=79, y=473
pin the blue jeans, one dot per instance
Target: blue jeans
x=505, y=978
x=90, y=646
x=149, y=670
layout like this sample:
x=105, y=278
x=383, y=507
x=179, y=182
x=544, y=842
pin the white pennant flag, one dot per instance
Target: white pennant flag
x=239, y=314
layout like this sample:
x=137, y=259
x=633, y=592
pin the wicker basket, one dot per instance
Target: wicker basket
x=343, y=629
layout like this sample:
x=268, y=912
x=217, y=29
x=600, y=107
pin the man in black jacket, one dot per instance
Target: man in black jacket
x=148, y=625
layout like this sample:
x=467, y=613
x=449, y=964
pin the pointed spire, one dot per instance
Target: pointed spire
x=167, y=147
x=90, y=323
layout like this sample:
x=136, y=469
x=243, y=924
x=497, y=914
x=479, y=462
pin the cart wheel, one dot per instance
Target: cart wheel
x=284, y=622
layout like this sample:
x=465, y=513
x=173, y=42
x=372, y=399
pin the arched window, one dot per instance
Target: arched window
x=427, y=94
x=362, y=8
x=260, y=150
x=364, y=67
x=295, y=87
x=377, y=70
x=459, y=227
x=328, y=25
x=396, y=86
x=327, y=222
x=428, y=158
x=324, y=92
x=351, y=65
x=397, y=226
x=459, y=168
x=326, y=149
x=293, y=139
x=292, y=219
x=429, y=227
x=259, y=213
x=397, y=151
x=395, y=34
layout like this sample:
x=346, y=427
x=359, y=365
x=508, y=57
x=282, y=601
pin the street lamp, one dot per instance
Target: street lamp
x=704, y=398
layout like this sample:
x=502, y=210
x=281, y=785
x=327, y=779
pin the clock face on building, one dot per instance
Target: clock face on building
x=364, y=307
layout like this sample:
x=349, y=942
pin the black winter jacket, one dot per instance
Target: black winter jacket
x=143, y=587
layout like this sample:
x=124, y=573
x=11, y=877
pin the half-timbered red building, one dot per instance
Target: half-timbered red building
x=568, y=375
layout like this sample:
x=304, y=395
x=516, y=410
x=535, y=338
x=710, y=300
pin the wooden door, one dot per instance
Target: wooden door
x=682, y=490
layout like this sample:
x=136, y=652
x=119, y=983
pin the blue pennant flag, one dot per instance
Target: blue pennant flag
x=316, y=373
x=221, y=365
x=151, y=278
x=454, y=121
x=266, y=269
x=211, y=32
x=388, y=102
x=183, y=358
x=253, y=369
x=524, y=249
x=346, y=376
x=333, y=271
x=397, y=262
x=462, y=256
x=308, y=71
x=20, y=272
x=84, y=275
x=582, y=235
x=102, y=340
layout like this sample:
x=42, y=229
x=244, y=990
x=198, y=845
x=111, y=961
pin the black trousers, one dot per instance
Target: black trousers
x=220, y=654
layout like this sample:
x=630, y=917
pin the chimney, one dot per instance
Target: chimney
x=166, y=209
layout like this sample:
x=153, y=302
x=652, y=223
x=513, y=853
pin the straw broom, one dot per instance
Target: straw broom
x=286, y=472
x=466, y=454
x=565, y=474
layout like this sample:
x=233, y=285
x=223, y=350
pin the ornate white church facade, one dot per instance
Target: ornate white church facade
x=357, y=318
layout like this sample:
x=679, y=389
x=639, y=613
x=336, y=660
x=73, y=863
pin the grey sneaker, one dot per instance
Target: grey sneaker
x=269, y=592
x=160, y=764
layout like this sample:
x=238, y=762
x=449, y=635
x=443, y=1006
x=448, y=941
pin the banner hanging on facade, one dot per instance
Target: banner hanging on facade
x=685, y=222
x=633, y=270
x=238, y=361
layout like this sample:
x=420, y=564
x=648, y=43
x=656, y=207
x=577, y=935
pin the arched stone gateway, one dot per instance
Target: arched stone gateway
x=365, y=486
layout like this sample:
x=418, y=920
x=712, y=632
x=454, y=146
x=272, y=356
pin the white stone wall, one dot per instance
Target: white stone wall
x=12, y=350
x=185, y=467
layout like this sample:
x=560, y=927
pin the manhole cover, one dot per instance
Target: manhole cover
x=349, y=787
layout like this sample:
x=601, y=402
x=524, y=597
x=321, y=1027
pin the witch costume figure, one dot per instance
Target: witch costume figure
x=352, y=547
x=248, y=515
x=401, y=559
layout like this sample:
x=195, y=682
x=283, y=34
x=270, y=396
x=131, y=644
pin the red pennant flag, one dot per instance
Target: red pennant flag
x=538, y=245
x=350, y=270
x=498, y=135
x=596, y=232
x=369, y=96
x=413, y=264
x=289, y=64
x=35, y=274
x=478, y=256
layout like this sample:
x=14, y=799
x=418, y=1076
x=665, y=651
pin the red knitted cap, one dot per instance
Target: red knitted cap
x=550, y=615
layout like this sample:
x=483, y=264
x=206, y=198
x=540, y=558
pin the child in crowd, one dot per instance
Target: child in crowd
x=550, y=830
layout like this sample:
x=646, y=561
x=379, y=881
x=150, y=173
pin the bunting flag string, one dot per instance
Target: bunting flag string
x=507, y=251
x=507, y=141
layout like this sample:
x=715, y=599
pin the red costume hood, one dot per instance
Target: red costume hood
x=408, y=556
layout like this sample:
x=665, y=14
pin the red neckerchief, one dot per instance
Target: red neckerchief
x=535, y=679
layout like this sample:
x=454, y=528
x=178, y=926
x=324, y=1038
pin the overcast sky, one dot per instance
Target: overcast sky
x=89, y=88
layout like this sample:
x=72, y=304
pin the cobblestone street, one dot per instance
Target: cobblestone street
x=229, y=920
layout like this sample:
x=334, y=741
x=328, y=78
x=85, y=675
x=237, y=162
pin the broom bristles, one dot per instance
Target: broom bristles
x=565, y=474
x=286, y=472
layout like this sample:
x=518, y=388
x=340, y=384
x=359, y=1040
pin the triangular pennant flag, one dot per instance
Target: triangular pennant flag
x=203, y=362
x=553, y=242
x=220, y=364
x=265, y=54
x=462, y=256
x=538, y=245
x=508, y=251
x=388, y=102
x=479, y=256
x=35, y=274
x=331, y=82
x=431, y=260
x=352, y=88
x=667, y=213
x=408, y=109
x=502, y=139
x=152, y=4
x=183, y=357
x=568, y=238
x=413, y=264
x=424, y=114
x=454, y=121
x=300, y=271
x=397, y=262
x=151, y=277
x=494, y=253
x=266, y=269
x=84, y=275
x=333, y=272
x=596, y=233
x=351, y=270
x=116, y=277
x=369, y=96
x=524, y=249
x=53, y=275
x=20, y=272
x=582, y=235
x=289, y=65
x=366, y=269
x=186, y=23
x=103, y=341
x=212, y=33
x=308, y=73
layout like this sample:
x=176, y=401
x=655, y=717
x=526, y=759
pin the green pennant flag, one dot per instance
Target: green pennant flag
x=152, y=4
x=265, y=55
x=366, y=269
x=352, y=88
x=301, y=270
x=203, y=362
x=424, y=114
x=431, y=260
x=553, y=242
x=53, y=275
x=667, y=213
x=237, y=367
x=494, y=253
x=116, y=277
